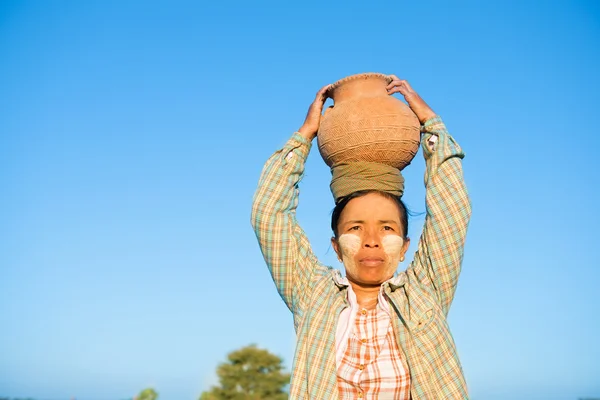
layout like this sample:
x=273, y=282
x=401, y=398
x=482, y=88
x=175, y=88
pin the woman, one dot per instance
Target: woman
x=371, y=334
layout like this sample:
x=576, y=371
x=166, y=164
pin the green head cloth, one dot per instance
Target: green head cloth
x=352, y=177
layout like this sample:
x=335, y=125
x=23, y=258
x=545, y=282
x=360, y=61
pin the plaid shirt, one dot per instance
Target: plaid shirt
x=371, y=366
x=420, y=296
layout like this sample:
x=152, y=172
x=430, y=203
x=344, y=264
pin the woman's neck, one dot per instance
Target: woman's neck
x=366, y=296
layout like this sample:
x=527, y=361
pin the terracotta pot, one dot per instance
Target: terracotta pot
x=367, y=124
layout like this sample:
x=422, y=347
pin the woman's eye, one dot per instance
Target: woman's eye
x=388, y=228
x=355, y=228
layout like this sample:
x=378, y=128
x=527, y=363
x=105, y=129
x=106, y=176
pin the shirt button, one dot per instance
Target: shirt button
x=363, y=312
x=360, y=395
x=363, y=340
x=361, y=367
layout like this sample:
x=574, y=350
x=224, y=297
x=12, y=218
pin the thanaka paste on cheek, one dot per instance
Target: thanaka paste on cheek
x=350, y=245
x=392, y=245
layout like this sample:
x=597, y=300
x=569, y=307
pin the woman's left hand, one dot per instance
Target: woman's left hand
x=416, y=103
x=313, y=116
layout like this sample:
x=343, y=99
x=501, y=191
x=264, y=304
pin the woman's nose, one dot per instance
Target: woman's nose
x=371, y=240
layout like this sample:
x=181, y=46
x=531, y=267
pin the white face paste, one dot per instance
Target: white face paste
x=392, y=245
x=350, y=245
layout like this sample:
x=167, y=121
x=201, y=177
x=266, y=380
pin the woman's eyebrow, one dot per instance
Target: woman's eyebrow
x=354, y=221
x=381, y=221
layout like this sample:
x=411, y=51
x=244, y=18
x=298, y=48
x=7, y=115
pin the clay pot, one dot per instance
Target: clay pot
x=367, y=124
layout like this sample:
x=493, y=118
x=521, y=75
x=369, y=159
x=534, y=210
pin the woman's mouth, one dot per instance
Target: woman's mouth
x=371, y=261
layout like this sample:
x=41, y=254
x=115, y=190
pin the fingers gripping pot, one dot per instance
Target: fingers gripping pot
x=366, y=130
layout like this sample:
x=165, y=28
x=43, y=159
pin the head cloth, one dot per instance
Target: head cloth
x=352, y=177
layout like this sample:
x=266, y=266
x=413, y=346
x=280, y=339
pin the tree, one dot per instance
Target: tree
x=147, y=394
x=250, y=373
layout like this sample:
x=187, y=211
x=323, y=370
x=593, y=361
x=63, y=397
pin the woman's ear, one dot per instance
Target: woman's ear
x=405, y=247
x=336, y=248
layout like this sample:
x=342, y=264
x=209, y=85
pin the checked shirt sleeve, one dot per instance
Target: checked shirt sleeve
x=439, y=255
x=283, y=243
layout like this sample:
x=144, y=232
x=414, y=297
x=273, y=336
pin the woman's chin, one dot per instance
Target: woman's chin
x=368, y=277
x=370, y=280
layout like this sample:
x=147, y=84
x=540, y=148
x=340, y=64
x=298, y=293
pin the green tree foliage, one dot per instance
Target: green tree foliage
x=147, y=394
x=15, y=398
x=250, y=373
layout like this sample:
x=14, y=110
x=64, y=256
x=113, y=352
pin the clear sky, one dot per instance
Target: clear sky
x=133, y=133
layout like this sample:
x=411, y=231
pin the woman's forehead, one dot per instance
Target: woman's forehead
x=372, y=206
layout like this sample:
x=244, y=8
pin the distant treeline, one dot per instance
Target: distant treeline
x=16, y=398
x=31, y=398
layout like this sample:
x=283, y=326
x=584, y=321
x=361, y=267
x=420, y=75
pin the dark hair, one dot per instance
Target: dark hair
x=341, y=204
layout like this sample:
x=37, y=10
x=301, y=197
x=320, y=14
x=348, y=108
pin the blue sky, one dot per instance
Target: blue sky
x=132, y=135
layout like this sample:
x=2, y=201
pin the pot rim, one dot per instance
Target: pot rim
x=340, y=82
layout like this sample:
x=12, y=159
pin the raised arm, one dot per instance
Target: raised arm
x=284, y=245
x=439, y=255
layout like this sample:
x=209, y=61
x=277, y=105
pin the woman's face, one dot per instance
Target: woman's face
x=370, y=242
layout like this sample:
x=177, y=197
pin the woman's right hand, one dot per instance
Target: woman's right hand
x=416, y=103
x=313, y=116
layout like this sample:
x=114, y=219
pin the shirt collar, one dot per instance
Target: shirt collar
x=394, y=283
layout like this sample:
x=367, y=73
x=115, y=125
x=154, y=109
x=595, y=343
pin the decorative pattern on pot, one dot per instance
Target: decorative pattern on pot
x=367, y=124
